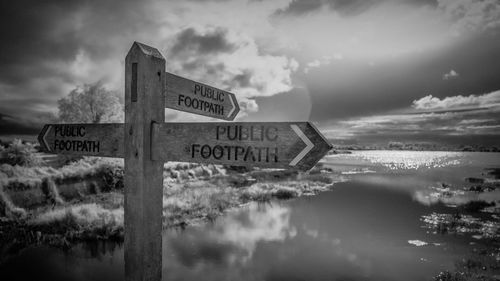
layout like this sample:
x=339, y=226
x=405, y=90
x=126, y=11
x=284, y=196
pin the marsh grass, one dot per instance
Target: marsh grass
x=192, y=193
x=81, y=221
x=476, y=206
x=481, y=266
x=19, y=153
x=18, y=177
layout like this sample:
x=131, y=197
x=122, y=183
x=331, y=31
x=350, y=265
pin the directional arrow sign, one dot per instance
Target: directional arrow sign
x=194, y=97
x=296, y=145
x=83, y=139
x=293, y=145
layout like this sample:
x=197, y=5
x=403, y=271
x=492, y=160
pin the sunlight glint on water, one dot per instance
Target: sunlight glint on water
x=396, y=160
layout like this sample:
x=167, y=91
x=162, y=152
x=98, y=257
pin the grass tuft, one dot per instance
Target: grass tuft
x=80, y=220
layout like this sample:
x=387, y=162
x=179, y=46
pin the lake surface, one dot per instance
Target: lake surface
x=367, y=228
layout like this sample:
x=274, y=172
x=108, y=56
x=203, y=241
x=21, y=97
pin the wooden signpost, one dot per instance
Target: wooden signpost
x=198, y=98
x=145, y=141
x=294, y=145
x=83, y=139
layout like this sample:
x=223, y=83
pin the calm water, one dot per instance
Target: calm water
x=363, y=229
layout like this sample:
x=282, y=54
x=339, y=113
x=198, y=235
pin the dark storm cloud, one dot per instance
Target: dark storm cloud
x=342, y=7
x=461, y=127
x=300, y=7
x=10, y=125
x=42, y=39
x=346, y=89
x=27, y=37
x=189, y=40
x=194, y=50
x=292, y=105
x=346, y=7
x=230, y=61
x=36, y=32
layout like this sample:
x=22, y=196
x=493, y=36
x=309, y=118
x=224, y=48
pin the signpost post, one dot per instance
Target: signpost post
x=144, y=106
x=146, y=142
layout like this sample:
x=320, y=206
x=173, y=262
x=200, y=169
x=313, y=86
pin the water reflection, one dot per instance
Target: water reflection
x=430, y=177
x=86, y=261
x=377, y=226
x=357, y=231
x=234, y=238
x=225, y=249
x=452, y=198
x=402, y=160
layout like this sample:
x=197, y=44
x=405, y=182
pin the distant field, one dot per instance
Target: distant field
x=8, y=138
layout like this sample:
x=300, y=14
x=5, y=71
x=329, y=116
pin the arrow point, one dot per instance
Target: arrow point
x=320, y=148
x=41, y=138
x=235, y=108
x=306, y=140
x=329, y=146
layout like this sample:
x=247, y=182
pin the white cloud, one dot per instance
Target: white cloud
x=457, y=102
x=325, y=60
x=271, y=224
x=232, y=61
x=312, y=64
x=451, y=116
x=386, y=30
x=450, y=75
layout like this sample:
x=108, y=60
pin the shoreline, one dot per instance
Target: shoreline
x=60, y=216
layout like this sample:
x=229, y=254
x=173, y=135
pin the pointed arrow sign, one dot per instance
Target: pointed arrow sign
x=198, y=98
x=293, y=145
x=83, y=139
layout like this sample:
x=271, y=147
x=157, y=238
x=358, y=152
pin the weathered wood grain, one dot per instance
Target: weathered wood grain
x=83, y=139
x=254, y=144
x=144, y=105
x=198, y=98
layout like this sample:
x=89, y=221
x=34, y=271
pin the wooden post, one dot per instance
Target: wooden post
x=144, y=105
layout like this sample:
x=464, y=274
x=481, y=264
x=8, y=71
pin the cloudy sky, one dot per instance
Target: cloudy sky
x=372, y=70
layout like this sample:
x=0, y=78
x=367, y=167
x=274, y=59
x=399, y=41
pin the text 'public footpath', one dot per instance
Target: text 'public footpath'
x=73, y=131
x=203, y=105
x=246, y=153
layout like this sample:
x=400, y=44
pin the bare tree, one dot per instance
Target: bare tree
x=91, y=103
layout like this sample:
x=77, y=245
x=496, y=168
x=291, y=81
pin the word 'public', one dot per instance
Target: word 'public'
x=69, y=131
x=209, y=92
x=247, y=133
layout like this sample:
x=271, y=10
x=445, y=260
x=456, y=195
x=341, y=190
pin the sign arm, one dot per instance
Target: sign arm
x=191, y=96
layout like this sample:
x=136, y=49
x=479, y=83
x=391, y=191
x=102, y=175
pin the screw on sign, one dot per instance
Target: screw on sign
x=145, y=141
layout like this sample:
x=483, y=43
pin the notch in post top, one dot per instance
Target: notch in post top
x=133, y=87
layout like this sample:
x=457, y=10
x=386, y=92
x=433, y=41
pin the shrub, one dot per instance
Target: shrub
x=477, y=205
x=22, y=154
x=285, y=193
x=113, y=178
